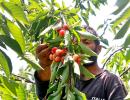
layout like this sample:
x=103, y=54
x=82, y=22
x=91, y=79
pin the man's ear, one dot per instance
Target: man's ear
x=99, y=48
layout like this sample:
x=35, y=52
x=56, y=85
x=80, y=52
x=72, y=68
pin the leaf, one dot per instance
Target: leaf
x=127, y=56
x=67, y=38
x=87, y=50
x=21, y=95
x=84, y=71
x=87, y=35
x=17, y=34
x=127, y=41
x=122, y=17
x=2, y=44
x=100, y=26
x=46, y=30
x=70, y=95
x=121, y=5
x=31, y=60
x=82, y=95
x=76, y=35
x=76, y=68
x=123, y=30
x=7, y=97
x=5, y=63
x=13, y=44
x=9, y=85
x=16, y=11
x=105, y=41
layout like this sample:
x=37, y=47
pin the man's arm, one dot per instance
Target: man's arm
x=41, y=86
x=42, y=76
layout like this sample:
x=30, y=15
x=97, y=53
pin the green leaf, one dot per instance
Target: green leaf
x=9, y=85
x=67, y=38
x=7, y=97
x=16, y=1
x=76, y=35
x=105, y=41
x=70, y=95
x=127, y=41
x=20, y=90
x=82, y=95
x=123, y=30
x=2, y=44
x=84, y=71
x=125, y=15
x=16, y=11
x=121, y=5
x=3, y=90
x=5, y=63
x=127, y=56
x=17, y=34
x=87, y=35
x=46, y=30
x=87, y=50
x=13, y=44
x=31, y=60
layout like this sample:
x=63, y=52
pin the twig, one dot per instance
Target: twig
x=111, y=56
x=104, y=30
x=124, y=72
x=22, y=78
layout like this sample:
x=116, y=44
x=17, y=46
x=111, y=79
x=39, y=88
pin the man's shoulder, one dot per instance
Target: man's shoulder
x=111, y=78
x=108, y=74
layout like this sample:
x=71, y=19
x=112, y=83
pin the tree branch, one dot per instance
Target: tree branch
x=104, y=30
x=111, y=56
x=20, y=78
x=124, y=72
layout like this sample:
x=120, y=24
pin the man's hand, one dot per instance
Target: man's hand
x=42, y=53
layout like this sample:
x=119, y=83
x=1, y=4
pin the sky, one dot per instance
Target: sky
x=95, y=21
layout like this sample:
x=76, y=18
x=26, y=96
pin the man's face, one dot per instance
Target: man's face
x=90, y=44
x=96, y=48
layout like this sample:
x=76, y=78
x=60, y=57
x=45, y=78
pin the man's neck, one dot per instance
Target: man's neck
x=94, y=69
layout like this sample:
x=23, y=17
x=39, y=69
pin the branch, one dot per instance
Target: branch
x=111, y=56
x=20, y=78
x=124, y=72
x=104, y=30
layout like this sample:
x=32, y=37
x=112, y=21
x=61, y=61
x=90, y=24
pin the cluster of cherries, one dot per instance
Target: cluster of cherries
x=62, y=30
x=58, y=55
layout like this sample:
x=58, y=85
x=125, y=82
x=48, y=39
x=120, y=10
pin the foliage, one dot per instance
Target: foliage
x=23, y=24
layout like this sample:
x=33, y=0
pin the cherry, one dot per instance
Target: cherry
x=57, y=59
x=53, y=50
x=62, y=33
x=58, y=52
x=75, y=57
x=51, y=56
x=66, y=27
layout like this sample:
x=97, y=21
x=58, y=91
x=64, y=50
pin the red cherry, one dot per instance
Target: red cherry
x=62, y=59
x=57, y=59
x=62, y=33
x=75, y=57
x=78, y=60
x=58, y=30
x=54, y=56
x=58, y=52
x=53, y=50
x=66, y=27
x=51, y=56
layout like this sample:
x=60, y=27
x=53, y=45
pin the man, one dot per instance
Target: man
x=105, y=85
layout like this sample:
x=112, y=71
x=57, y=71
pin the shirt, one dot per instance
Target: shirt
x=105, y=86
